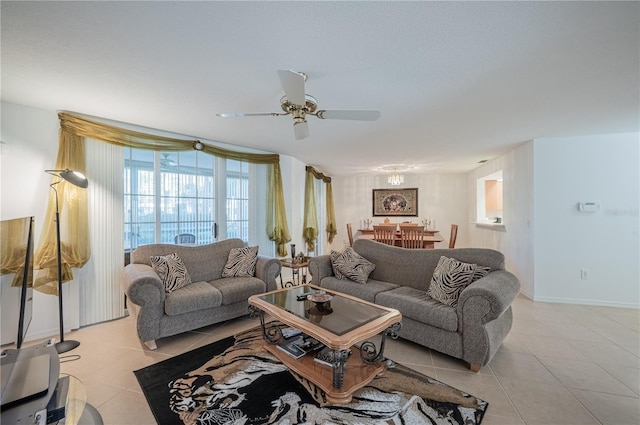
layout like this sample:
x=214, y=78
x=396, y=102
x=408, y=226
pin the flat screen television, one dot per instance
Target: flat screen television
x=16, y=243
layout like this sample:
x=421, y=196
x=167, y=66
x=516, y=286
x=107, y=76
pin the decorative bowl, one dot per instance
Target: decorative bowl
x=320, y=298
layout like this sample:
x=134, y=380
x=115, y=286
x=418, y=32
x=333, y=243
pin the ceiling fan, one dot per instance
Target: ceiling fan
x=298, y=104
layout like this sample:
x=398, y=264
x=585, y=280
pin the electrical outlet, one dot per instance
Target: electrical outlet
x=584, y=274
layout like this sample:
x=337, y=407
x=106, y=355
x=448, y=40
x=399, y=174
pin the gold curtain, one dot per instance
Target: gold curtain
x=310, y=215
x=13, y=248
x=74, y=224
x=310, y=222
x=84, y=127
x=331, y=228
x=71, y=154
x=277, y=227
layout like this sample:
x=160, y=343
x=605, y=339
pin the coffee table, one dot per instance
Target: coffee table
x=339, y=324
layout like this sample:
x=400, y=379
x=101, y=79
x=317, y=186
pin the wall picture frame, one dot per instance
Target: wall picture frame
x=395, y=202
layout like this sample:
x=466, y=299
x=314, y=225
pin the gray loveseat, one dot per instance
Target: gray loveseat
x=209, y=299
x=471, y=331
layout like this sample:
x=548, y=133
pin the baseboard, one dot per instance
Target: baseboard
x=49, y=333
x=55, y=332
x=581, y=301
x=526, y=294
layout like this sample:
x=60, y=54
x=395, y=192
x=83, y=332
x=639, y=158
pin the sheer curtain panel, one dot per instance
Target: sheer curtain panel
x=101, y=297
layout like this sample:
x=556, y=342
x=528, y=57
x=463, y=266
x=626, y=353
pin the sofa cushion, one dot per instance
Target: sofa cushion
x=417, y=305
x=194, y=297
x=351, y=265
x=451, y=276
x=241, y=262
x=365, y=292
x=171, y=271
x=236, y=289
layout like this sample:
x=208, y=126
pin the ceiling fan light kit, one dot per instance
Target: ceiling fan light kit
x=298, y=104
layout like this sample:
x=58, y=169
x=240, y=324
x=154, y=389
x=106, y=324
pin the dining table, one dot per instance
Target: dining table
x=430, y=238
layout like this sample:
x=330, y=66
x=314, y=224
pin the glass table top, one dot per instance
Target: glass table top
x=338, y=316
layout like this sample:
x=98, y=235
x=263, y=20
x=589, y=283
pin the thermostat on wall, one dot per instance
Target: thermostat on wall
x=588, y=206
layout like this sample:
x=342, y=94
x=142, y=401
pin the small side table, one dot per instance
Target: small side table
x=299, y=271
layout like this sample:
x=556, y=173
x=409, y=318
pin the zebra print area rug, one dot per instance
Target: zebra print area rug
x=234, y=381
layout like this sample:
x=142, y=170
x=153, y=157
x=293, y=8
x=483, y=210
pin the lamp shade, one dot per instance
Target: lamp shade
x=76, y=178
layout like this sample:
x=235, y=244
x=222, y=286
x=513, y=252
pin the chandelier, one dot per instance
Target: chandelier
x=395, y=179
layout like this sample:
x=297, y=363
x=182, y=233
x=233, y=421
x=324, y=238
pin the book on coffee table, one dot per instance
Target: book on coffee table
x=289, y=332
x=308, y=343
x=292, y=348
x=325, y=357
x=300, y=345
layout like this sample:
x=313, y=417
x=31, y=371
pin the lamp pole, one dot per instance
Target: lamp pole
x=79, y=180
x=62, y=346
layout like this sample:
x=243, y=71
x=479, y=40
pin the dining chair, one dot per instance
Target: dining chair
x=185, y=238
x=412, y=236
x=454, y=235
x=385, y=234
x=350, y=233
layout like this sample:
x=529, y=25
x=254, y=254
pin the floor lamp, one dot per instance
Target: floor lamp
x=76, y=178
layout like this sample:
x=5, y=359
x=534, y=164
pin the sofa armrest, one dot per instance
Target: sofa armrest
x=319, y=268
x=485, y=317
x=142, y=285
x=267, y=270
x=497, y=290
x=145, y=290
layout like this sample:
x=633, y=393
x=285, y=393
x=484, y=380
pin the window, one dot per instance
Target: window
x=489, y=203
x=190, y=192
x=139, y=199
x=238, y=200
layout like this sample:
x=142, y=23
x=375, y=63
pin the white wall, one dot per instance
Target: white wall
x=547, y=241
x=604, y=169
x=443, y=197
x=515, y=240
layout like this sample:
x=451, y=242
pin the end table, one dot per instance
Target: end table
x=298, y=270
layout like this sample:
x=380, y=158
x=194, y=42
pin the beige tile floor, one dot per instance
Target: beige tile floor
x=561, y=364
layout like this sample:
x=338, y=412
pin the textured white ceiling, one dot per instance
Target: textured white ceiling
x=456, y=82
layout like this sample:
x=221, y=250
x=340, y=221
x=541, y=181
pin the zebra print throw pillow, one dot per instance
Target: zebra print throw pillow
x=171, y=270
x=241, y=262
x=351, y=265
x=335, y=258
x=450, y=277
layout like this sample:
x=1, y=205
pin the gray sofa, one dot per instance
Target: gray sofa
x=209, y=299
x=471, y=331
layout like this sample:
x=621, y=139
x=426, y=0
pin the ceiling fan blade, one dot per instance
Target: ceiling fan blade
x=301, y=130
x=356, y=115
x=247, y=114
x=293, y=85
